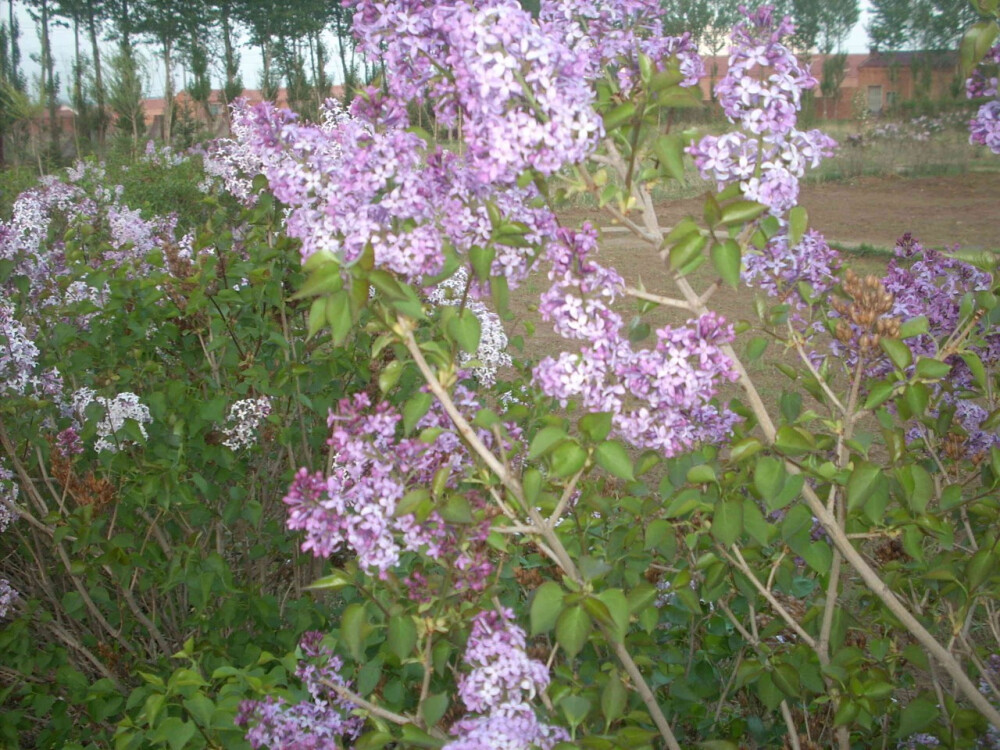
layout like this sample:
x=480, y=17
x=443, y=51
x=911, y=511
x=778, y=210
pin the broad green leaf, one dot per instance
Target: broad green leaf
x=402, y=635
x=572, y=630
x=798, y=222
x=726, y=258
x=546, y=606
x=545, y=440
x=727, y=521
x=614, y=459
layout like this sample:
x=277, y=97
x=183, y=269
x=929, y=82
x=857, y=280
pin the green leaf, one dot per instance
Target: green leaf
x=567, y=459
x=572, y=630
x=415, y=737
x=402, y=635
x=898, y=352
x=337, y=580
x=976, y=43
x=596, y=425
x=617, y=604
x=575, y=708
x=932, y=369
x=658, y=532
x=744, y=449
x=740, y=212
x=686, y=250
x=354, y=629
x=914, y=327
x=466, y=330
x=727, y=521
x=415, y=408
x=756, y=347
x=614, y=459
x=879, y=394
x=435, y=707
x=669, y=149
x=545, y=440
x=701, y=474
x=726, y=258
x=546, y=606
x=317, y=317
x=614, y=697
x=861, y=483
x=338, y=315
x=798, y=222
x=919, y=714
x=619, y=116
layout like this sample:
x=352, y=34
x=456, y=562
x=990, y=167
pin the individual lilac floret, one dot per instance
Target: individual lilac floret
x=323, y=721
x=502, y=681
x=243, y=421
x=492, y=352
x=984, y=128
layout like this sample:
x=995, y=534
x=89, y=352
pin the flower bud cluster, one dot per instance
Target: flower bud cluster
x=502, y=682
x=659, y=398
x=984, y=128
x=324, y=720
x=864, y=320
x=356, y=506
x=243, y=421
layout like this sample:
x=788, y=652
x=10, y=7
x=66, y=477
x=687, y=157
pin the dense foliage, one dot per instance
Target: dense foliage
x=273, y=474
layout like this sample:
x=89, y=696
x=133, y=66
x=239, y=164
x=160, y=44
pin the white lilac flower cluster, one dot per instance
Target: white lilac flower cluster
x=766, y=157
x=18, y=353
x=492, y=352
x=124, y=406
x=660, y=398
x=322, y=721
x=984, y=128
x=8, y=514
x=243, y=421
x=502, y=681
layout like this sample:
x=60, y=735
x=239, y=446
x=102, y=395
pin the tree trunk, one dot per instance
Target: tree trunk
x=78, y=94
x=15, y=50
x=168, y=89
x=95, y=50
x=50, y=80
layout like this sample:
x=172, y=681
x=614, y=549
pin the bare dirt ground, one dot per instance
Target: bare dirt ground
x=939, y=211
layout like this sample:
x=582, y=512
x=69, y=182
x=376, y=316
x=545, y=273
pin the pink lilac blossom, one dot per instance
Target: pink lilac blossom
x=984, y=128
x=322, y=721
x=243, y=421
x=519, y=92
x=659, y=398
x=355, y=506
x=501, y=682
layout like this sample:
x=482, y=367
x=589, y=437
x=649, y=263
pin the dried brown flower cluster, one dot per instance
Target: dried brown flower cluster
x=863, y=317
x=89, y=489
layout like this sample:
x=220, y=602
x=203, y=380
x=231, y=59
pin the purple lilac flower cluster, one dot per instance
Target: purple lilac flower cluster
x=323, y=721
x=243, y=421
x=616, y=32
x=355, y=506
x=500, y=685
x=984, y=128
x=762, y=93
x=351, y=185
x=930, y=283
x=18, y=353
x=659, y=398
x=519, y=93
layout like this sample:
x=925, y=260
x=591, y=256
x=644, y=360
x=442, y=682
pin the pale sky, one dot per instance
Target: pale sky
x=250, y=64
